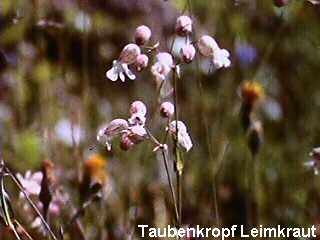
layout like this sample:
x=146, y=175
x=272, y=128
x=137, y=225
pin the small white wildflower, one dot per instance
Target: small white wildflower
x=183, y=25
x=111, y=130
x=207, y=45
x=138, y=107
x=119, y=70
x=120, y=67
x=163, y=66
x=183, y=138
x=221, y=58
x=31, y=183
x=142, y=35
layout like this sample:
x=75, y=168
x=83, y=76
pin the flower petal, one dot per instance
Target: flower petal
x=112, y=74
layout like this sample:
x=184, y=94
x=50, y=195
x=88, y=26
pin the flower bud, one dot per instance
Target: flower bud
x=129, y=53
x=142, y=35
x=166, y=109
x=280, y=3
x=183, y=25
x=187, y=53
x=207, y=45
x=138, y=107
x=142, y=62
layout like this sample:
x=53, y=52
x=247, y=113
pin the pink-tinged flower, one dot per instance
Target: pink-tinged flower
x=183, y=25
x=137, y=119
x=111, y=130
x=165, y=58
x=129, y=53
x=31, y=183
x=138, y=107
x=183, y=138
x=207, y=45
x=142, y=62
x=221, y=58
x=314, y=163
x=166, y=109
x=120, y=67
x=188, y=52
x=142, y=35
x=137, y=133
x=163, y=66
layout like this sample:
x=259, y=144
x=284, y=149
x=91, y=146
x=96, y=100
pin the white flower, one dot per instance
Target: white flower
x=111, y=130
x=30, y=182
x=119, y=70
x=183, y=138
x=142, y=62
x=166, y=109
x=183, y=25
x=187, y=53
x=163, y=66
x=138, y=107
x=221, y=58
x=207, y=45
x=120, y=67
x=129, y=53
x=165, y=58
x=142, y=34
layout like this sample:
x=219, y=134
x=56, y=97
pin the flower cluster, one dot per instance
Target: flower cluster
x=131, y=131
x=132, y=54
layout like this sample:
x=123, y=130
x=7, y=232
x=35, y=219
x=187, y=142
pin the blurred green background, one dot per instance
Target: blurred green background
x=53, y=59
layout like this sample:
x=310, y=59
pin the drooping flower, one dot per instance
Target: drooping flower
x=163, y=66
x=111, y=130
x=314, y=163
x=182, y=137
x=142, y=35
x=166, y=109
x=207, y=45
x=120, y=67
x=138, y=107
x=138, y=111
x=183, y=25
x=142, y=62
x=221, y=58
x=188, y=52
